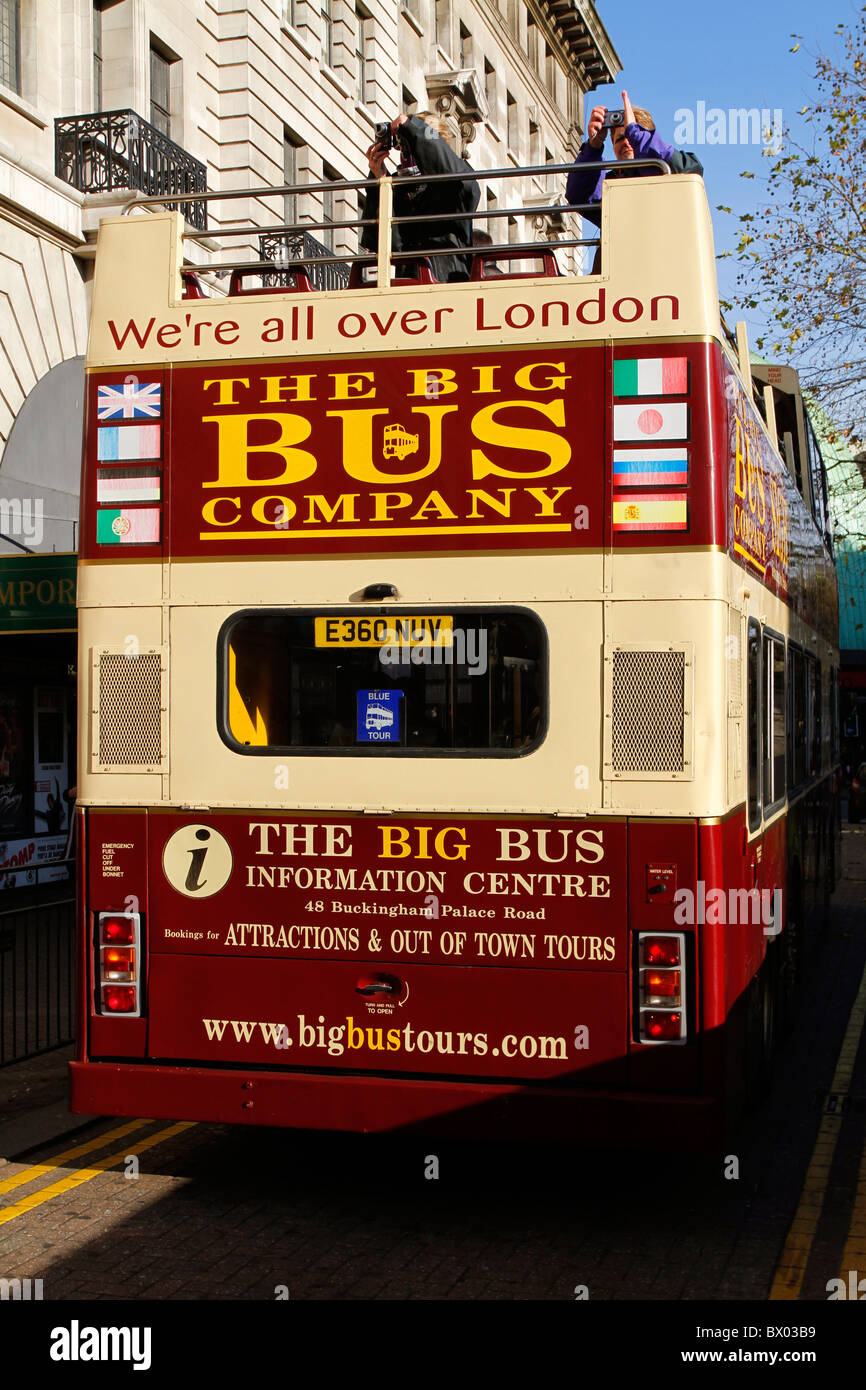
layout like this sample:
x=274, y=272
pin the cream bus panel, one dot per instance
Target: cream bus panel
x=649, y=704
x=561, y=775
x=129, y=717
x=112, y=585
x=444, y=579
x=659, y=276
x=667, y=647
x=120, y=650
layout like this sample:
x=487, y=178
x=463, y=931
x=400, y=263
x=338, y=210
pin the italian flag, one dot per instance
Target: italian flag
x=651, y=376
x=127, y=526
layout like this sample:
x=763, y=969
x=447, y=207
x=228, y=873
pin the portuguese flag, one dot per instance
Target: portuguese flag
x=127, y=526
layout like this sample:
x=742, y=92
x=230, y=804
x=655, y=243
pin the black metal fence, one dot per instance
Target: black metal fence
x=285, y=247
x=110, y=150
x=37, y=968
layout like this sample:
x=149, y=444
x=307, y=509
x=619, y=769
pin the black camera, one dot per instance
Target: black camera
x=613, y=118
x=386, y=138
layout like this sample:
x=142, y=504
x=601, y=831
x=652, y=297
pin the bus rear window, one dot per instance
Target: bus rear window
x=388, y=682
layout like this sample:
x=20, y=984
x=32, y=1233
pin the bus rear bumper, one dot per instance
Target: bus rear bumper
x=366, y=1104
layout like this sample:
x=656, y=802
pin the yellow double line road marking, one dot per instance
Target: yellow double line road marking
x=37, y=1170
x=788, y=1280
x=45, y=1194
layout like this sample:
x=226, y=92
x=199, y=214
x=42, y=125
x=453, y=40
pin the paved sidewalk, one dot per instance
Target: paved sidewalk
x=33, y=1102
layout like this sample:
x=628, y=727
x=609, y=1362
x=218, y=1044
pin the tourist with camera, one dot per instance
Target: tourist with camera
x=423, y=146
x=634, y=137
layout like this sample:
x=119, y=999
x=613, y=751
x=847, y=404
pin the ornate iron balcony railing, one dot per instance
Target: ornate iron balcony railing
x=281, y=247
x=118, y=149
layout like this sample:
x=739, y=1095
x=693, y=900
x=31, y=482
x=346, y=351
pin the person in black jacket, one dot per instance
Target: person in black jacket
x=425, y=150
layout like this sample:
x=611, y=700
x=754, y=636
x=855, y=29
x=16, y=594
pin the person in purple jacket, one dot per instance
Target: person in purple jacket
x=637, y=139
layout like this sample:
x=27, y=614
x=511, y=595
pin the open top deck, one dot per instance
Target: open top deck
x=657, y=278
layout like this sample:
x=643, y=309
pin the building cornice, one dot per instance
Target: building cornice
x=36, y=197
x=574, y=28
x=584, y=38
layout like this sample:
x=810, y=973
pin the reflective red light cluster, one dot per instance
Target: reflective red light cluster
x=660, y=950
x=659, y=981
x=662, y=1027
x=117, y=930
x=119, y=999
x=117, y=958
x=118, y=963
x=662, y=984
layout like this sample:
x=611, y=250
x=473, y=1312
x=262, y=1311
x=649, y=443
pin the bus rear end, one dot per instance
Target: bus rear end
x=410, y=723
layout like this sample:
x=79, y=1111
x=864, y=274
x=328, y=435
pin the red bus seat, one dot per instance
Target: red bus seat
x=192, y=288
x=300, y=274
x=424, y=274
x=525, y=253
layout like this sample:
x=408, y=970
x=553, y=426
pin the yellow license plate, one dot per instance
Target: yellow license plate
x=395, y=630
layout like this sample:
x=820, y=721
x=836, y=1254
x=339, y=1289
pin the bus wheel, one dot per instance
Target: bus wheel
x=760, y=1031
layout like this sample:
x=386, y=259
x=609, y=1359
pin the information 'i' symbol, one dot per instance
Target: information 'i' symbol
x=183, y=860
x=194, y=880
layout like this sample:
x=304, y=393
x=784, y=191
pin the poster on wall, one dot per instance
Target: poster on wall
x=13, y=789
x=50, y=763
x=25, y=862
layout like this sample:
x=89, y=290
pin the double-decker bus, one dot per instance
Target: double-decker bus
x=458, y=669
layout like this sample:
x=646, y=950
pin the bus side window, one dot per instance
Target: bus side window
x=779, y=718
x=773, y=720
x=811, y=717
x=753, y=713
x=826, y=719
x=797, y=699
x=817, y=711
x=818, y=474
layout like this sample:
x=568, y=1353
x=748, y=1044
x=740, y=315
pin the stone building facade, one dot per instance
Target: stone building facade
x=100, y=99
x=235, y=94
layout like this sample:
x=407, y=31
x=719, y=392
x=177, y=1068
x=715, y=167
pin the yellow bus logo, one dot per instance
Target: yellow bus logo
x=399, y=442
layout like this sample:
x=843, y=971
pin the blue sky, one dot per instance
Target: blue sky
x=676, y=54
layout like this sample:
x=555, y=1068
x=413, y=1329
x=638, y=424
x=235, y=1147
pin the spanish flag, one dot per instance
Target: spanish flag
x=650, y=511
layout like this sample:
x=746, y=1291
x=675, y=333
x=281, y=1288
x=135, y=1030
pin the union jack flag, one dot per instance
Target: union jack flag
x=132, y=400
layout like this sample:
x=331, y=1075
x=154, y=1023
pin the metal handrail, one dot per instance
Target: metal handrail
x=488, y=214
x=528, y=249
x=331, y=185
x=386, y=220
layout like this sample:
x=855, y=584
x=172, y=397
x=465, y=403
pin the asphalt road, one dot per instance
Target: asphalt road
x=164, y=1211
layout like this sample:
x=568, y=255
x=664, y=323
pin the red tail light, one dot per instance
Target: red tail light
x=855, y=785
x=661, y=1027
x=117, y=956
x=659, y=963
x=119, y=999
x=118, y=963
x=660, y=950
x=116, y=930
x=662, y=987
